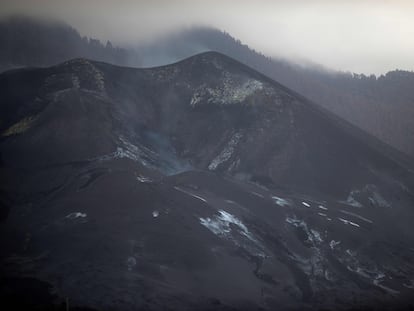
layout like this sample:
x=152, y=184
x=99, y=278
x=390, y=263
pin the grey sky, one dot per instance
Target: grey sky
x=369, y=36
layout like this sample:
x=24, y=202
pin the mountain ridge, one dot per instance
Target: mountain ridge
x=375, y=143
x=90, y=69
x=371, y=103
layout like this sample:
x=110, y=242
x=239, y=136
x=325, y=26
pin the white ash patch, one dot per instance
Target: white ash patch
x=122, y=153
x=369, y=271
x=357, y=216
x=348, y=222
x=220, y=224
x=130, y=151
x=144, y=179
x=351, y=200
x=378, y=282
x=376, y=198
x=232, y=90
x=88, y=72
x=314, y=237
x=333, y=244
x=77, y=218
x=322, y=207
x=76, y=215
x=313, y=266
x=136, y=153
x=227, y=225
x=280, y=201
x=350, y=253
x=369, y=193
x=226, y=153
x=190, y=194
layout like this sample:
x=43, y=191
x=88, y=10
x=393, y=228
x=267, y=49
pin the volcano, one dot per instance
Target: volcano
x=201, y=185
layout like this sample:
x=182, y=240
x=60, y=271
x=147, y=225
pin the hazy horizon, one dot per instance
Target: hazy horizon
x=370, y=37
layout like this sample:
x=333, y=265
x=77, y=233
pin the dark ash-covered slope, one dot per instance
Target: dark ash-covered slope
x=201, y=184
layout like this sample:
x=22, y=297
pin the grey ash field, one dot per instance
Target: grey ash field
x=201, y=185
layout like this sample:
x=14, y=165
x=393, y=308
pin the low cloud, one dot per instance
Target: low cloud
x=359, y=36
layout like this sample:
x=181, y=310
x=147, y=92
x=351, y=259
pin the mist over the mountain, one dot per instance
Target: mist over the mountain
x=383, y=106
x=27, y=41
x=366, y=36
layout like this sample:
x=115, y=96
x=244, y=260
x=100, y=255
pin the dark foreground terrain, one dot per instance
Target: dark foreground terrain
x=201, y=185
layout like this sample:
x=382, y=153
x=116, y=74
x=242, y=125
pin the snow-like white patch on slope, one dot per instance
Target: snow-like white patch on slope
x=376, y=198
x=76, y=215
x=143, y=179
x=280, y=201
x=322, y=207
x=128, y=150
x=314, y=236
x=232, y=89
x=314, y=265
x=348, y=222
x=190, y=194
x=333, y=244
x=357, y=216
x=369, y=193
x=226, y=153
x=227, y=226
x=220, y=224
x=367, y=270
x=351, y=200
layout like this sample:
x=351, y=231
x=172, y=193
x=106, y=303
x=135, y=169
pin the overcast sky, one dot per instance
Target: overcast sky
x=369, y=36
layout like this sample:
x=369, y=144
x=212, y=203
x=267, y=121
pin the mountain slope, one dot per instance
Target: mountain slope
x=382, y=106
x=201, y=184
